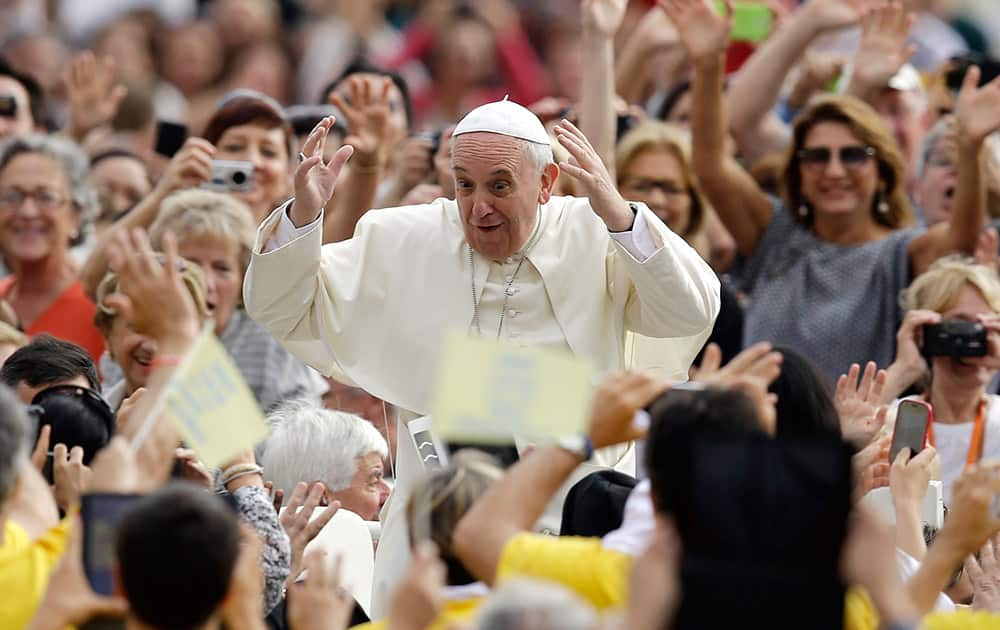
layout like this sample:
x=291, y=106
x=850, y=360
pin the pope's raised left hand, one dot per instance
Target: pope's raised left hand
x=586, y=167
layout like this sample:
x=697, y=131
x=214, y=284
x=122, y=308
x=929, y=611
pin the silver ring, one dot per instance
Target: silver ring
x=302, y=156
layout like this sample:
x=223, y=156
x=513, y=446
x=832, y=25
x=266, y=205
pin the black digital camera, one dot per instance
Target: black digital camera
x=955, y=338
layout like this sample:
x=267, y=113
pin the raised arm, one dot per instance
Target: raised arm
x=754, y=91
x=977, y=112
x=513, y=504
x=367, y=116
x=655, y=34
x=191, y=166
x=601, y=20
x=882, y=51
x=743, y=207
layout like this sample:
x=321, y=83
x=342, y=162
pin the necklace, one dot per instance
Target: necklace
x=507, y=292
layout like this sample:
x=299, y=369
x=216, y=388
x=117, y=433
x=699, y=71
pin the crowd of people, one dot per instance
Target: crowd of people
x=771, y=227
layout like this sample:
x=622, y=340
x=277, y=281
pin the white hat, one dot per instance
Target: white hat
x=506, y=118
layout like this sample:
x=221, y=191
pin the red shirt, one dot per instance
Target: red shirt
x=69, y=317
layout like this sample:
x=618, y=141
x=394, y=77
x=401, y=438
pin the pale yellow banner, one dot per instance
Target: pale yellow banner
x=211, y=404
x=489, y=391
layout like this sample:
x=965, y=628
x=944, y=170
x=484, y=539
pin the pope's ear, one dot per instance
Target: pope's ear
x=549, y=177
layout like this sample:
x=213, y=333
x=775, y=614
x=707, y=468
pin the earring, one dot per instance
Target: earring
x=803, y=210
x=883, y=205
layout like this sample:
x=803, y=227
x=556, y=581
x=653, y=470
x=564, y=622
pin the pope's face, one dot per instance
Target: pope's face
x=498, y=190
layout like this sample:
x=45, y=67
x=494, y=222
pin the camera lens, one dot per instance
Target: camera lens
x=239, y=178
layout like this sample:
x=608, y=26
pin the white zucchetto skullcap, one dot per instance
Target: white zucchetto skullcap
x=506, y=118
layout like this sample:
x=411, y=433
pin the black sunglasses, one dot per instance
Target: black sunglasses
x=850, y=157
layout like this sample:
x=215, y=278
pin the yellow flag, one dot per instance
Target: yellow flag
x=211, y=404
x=489, y=391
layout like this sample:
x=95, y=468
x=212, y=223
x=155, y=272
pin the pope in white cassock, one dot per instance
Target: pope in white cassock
x=599, y=277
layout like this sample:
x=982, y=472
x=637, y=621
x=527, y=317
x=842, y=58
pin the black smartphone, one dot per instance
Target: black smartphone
x=988, y=66
x=913, y=419
x=170, y=138
x=8, y=106
x=101, y=514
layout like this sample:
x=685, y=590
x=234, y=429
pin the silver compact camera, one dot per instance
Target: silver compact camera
x=231, y=176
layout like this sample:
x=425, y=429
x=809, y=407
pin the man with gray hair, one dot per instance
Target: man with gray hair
x=598, y=277
x=338, y=449
x=523, y=604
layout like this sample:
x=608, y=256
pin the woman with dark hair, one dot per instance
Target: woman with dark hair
x=805, y=405
x=823, y=265
x=247, y=126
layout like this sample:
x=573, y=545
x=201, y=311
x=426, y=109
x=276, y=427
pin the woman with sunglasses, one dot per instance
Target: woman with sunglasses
x=824, y=265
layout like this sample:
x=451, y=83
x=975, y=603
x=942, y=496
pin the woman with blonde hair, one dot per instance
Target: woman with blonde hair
x=653, y=165
x=435, y=506
x=824, y=264
x=216, y=232
x=966, y=425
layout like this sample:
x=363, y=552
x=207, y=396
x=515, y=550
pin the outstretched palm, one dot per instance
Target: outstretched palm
x=858, y=404
x=978, y=109
x=367, y=118
x=702, y=31
x=315, y=179
x=883, y=49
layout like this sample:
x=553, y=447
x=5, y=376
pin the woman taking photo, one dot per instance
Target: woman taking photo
x=824, y=265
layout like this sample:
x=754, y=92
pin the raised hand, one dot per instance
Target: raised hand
x=883, y=49
x=655, y=31
x=870, y=468
x=296, y=520
x=703, y=32
x=816, y=71
x=189, y=168
x=984, y=573
x=977, y=110
x=319, y=602
x=909, y=477
x=69, y=475
x=909, y=340
x=971, y=520
x=603, y=17
x=415, y=163
x=69, y=600
x=92, y=94
x=586, y=166
x=314, y=179
x=858, y=403
x=830, y=15
x=616, y=401
x=367, y=118
x=152, y=296
x=419, y=596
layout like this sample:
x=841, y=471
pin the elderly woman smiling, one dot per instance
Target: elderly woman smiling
x=215, y=231
x=44, y=198
x=339, y=450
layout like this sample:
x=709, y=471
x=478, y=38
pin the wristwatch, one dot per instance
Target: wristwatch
x=579, y=445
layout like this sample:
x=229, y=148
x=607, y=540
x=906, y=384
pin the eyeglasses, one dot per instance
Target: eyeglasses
x=45, y=198
x=646, y=186
x=851, y=158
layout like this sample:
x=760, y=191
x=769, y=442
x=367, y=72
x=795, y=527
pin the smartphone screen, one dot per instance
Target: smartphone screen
x=170, y=138
x=100, y=514
x=911, y=428
x=752, y=21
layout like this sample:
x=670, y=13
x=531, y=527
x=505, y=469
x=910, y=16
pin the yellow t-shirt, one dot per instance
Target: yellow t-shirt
x=859, y=614
x=453, y=613
x=598, y=575
x=25, y=567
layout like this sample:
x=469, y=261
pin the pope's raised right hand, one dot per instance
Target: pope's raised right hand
x=314, y=179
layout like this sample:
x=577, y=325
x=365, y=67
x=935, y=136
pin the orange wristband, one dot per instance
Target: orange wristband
x=169, y=360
